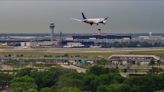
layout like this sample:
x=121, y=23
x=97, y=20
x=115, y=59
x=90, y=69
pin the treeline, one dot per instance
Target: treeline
x=97, y=79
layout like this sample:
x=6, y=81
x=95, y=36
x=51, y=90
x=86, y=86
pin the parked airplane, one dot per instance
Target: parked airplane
x=92, y=21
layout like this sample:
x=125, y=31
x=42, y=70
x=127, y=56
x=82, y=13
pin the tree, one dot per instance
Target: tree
x=9, y=55
x=32, y=90
x=102, y=61
x=70, y=82
x=22, y=84
x=159, y=62
x=71, y=79
x=98, y=70
x=24, y=72
x=69, y=89
x=44, y=79
x=102, y=88
x=155, y=70
x=118, y=88
x=46, y=90
x=159, y=91
x=152, y=63
x=66, y=55
x=142, y=84
x=4, y=80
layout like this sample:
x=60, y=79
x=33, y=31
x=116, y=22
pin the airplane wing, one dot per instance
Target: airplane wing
x=77, y=19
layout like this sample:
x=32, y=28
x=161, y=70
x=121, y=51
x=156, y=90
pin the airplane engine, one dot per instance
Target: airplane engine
x=104, y=22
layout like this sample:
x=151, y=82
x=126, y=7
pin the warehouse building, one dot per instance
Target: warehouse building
x=133, y=59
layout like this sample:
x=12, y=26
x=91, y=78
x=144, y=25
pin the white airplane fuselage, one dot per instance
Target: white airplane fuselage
x=92, y=21
x=95, y=21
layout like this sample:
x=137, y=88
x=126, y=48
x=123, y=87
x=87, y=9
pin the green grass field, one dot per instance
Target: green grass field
x=77, y=52
x=93, y=53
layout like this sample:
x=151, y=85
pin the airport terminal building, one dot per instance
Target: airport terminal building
x=100, y=37
x=91, y=40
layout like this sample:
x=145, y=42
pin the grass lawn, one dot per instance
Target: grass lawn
x=43, y=52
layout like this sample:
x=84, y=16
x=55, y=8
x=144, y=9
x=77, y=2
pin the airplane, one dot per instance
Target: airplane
x=92, y=21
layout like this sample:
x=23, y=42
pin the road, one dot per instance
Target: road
x=78, y=69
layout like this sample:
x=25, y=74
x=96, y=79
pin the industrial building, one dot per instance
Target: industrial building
x=133, y=59
x=73, y=45
x=39, y=44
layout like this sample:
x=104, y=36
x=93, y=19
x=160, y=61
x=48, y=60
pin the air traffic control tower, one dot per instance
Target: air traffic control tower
x=52, y=27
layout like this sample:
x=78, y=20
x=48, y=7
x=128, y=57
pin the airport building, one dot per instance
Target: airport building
x=133, y=59
x=73, y=45
x=3, y=45
x=91, y=40
x=100, y=37
x=39, y=44
x=78, y=40
x=151, y=37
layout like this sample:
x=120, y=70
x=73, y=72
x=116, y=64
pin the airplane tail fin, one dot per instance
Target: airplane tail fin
x=106, y=18
x=83, y=16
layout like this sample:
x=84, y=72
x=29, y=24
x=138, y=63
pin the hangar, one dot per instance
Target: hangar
x=133, y=59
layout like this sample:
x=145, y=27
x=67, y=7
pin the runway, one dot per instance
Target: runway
x=100, y=50
x=80, y=50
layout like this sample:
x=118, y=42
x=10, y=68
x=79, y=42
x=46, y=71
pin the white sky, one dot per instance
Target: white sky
x=126, y=16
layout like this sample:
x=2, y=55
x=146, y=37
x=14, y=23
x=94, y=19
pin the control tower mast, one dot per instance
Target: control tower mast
x=52, y=27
